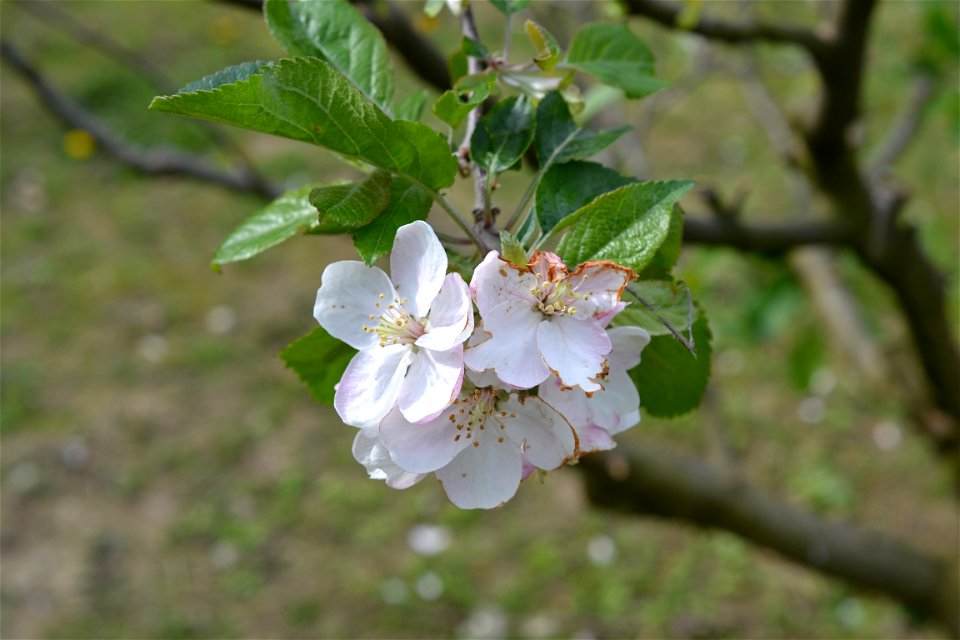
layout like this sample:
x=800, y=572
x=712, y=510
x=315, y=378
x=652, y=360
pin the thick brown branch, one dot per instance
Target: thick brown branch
x=156, y=162
x=668, y=13
x=763, y=238
x=670, y=485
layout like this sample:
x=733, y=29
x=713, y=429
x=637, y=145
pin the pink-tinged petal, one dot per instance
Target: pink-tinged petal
x=451, y=316
x=548, y=266
x=548, y=439
x=368, y=450
x=348, y=296
x=418, y=265
x=484, y=476
x=574, y=349
x=528, y=468
x=512, y=351
x=572, y=404
x=605, y=317
x=599, y=285
x=594, y=438
x=371, y=384
x=617, y=407
x=433, y=381
x=627, y=344
x=495, y=282
x=421, y=448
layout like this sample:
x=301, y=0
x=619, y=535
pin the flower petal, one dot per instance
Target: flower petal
x=348, y=296
x=512, y=351
x=432, y=382
x=483, y=477
x=594, y=438
x=451, y=316
x=627, y=343
x=547, y=438
x=421, y=448
x=572, y=404
x=371, y=384
x=418, y=265
x=368, y=450
x=601, y=283
x=617, y=407
x=574, y=349
x=496, y=281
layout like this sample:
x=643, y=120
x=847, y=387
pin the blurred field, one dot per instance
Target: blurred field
x=164, y=476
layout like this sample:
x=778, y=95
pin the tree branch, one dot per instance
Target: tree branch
x=669, y=485
x=668, y=14
x=904, y=128
x=155, y=162
x=762, y=238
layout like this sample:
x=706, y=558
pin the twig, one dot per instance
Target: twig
x=481, y=188
x=667, y=14
x=155, y=162
x=663, y=483
x=763, y=237
x=904, y=128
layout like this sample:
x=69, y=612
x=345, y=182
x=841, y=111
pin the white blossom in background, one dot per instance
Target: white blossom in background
x=544, y=320
x=409, y=332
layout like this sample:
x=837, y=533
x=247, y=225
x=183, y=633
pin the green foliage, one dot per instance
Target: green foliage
x=672, y=380
x=453, y=106
x=407, y=203
x=306, y=99
x=503, y=134
x=283, y=218
x=319, y=360
x=411, y=108
x=559, y=139
x=348, y=206
x=336, y=32
x=662, y=308
x=508, y=7
x=567, y=187
x=627, y=225
x=614, y=56
x=548, y=50
x=229, y=75
x=512, y=249
x=667, y=255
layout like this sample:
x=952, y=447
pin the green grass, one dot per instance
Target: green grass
x=233, y=503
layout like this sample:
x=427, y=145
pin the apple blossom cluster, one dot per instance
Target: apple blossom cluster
x=535, y=380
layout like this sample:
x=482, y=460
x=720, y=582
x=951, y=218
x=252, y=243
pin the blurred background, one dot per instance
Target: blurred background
x=164, y=476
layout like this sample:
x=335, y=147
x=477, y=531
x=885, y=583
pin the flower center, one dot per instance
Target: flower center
x=555, y=298
x=396, y=325
x=478, y=412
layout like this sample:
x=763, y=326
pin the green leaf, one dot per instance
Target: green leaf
x=453, y=106
x=336, y=32
x=667, y=255
x=564, y=188
x=283, y=218
x=508, y=7
x=407, y=203
x=474, y=48
x=319, y=360
x=548, y=51
x=559, y=139
x=627, y=225
x=670, y=380
x=662, y=308
x=411, y=108
x=229, y=75
x=306, y=99
x=457, y=65
x=353, y=205
x=614, y=56
x=503, y=134
x=511, y=249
